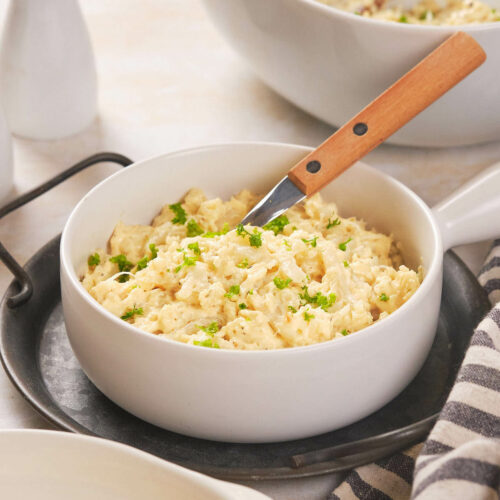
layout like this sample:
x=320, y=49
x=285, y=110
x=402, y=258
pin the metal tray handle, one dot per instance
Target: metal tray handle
x=22, y=277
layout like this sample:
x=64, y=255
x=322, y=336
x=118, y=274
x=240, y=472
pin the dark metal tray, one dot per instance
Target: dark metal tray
x=38, y=359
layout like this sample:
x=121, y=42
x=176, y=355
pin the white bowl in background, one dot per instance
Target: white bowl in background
x=262, y=396
x=332, y=64
x=49, y=465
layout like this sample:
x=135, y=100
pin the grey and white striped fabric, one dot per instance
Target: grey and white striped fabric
x=461, y=457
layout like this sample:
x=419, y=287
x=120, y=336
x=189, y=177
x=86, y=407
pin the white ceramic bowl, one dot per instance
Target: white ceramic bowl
x=48, y=465
x=274, y=395
x=332, y=64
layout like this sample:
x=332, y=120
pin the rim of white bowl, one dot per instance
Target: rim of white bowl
x=373, y=329
x=445, y=28
x=205, y=482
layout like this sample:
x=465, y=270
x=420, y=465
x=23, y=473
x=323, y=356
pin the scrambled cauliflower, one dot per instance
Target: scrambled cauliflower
x=436, y=12
x=307, y=277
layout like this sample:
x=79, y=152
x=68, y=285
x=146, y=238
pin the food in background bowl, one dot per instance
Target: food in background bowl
x=307, y=277
x=437, y=12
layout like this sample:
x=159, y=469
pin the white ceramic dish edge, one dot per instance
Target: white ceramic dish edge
x=53, y=465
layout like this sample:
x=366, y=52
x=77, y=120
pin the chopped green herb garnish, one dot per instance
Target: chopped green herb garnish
x=308, y=317
x=241, y=231
x=287, y=244
x=233, y=290
x=318, y=300
x=135, y=311
x=291, y=308
x=188, y=261
x=254, y=238
x=282, y=283
x=325, y=302
x=346, y=264
x=344, y=332
x=250, y=292
x=243, y=264
x=153, y=250
x=94, y=260
x=403, y=19
x=213, y=234
x=311, y=242
x=179, y=212
x=143, y=263
x=277, y=225
x=423, y=16
x=207, y=343
x=195, y=248
x=343, y=245
x=306, y=297
x=124, y=265
x=211, y=329
x=384, y=297
x=242, y=306
x=193, y=229
x=333, y=223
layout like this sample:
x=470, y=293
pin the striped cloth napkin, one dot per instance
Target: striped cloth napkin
x=461, y=457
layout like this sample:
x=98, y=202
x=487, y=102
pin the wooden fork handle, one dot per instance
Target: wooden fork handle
x=443, y=68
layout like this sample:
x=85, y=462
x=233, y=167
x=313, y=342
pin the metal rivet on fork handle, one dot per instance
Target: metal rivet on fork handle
x=360, y=128
x=313, y=166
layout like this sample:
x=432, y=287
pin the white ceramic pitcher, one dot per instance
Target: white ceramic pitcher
x=47, y=70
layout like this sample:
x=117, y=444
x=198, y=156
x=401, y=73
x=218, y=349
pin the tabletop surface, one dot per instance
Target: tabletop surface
x=168, y=81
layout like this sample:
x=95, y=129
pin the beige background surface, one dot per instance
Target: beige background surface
x=168, y=81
